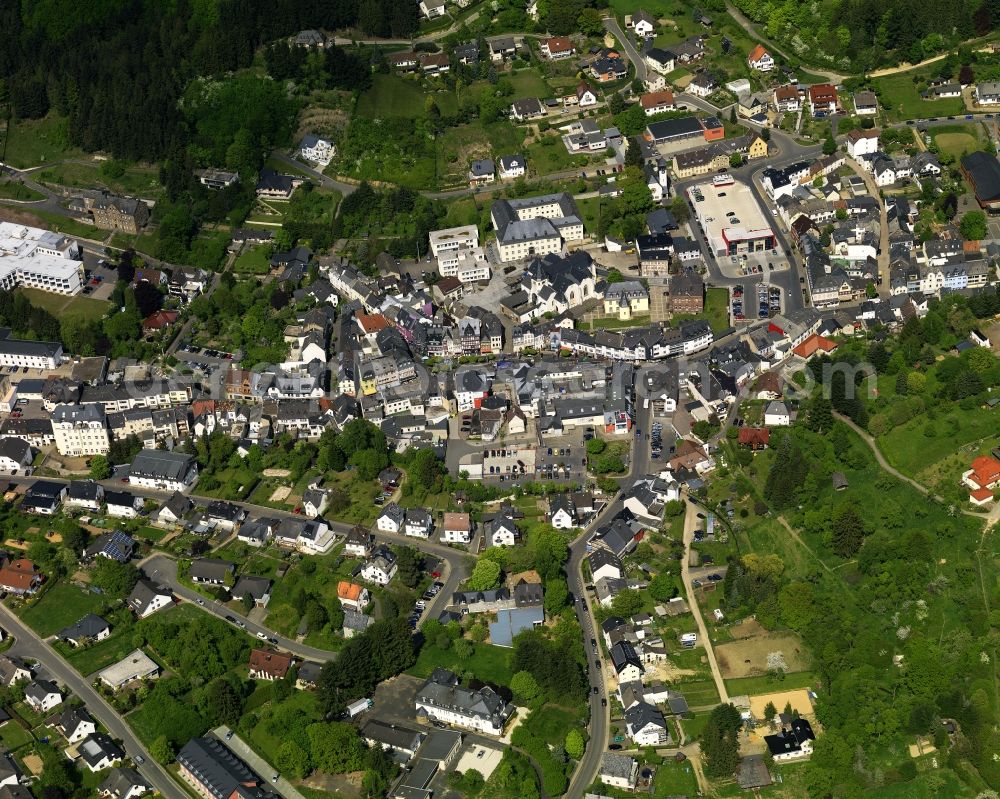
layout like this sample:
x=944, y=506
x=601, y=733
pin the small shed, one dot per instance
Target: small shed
x=839, y=481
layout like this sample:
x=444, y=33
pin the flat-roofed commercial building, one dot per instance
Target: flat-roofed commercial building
x=39, y=259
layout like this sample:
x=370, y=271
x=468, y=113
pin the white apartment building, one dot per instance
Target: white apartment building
x=39, y=259
x=468, y=264
x=33, y=354
x=453, y=239
x=535, y=226
x=80, y=430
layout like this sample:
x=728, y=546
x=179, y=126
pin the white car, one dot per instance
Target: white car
x=262, y=636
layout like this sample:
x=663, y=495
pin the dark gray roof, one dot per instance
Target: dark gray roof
x=161, y=465
x=90, y=626
x=220, y=771
x=97, y=746
x=121, y=781
x=257, y=587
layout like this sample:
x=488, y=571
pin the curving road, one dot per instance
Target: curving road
x=612, y=27
x=31, y=646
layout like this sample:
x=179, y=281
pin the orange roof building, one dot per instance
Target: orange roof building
x=814, y=344
x=352, y=595
x=159, y=320
x=267, y=664
x=372, y=323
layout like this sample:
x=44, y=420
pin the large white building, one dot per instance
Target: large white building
x=441, y=698
x=534, y=226
x=33, y=354
x=80, y=430
x=468, y=264
x=39, y=259
x=452, y=239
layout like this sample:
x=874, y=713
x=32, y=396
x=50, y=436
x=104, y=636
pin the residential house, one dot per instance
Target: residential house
x=84, y=494
x=124, y=783
x=787, y=98
x=352, y=595
x=355, y=623
x=557, y=47
x=792, y=743
x=646, y=725
x=865, y=103
x=585, y=96
x=822, y=99
x=604, y=565
x=381, y=568
x=660, y=61
x=99, y=752
x=134, y=667
x=760, y=60
x=359, y=542
x=42, y=695
x=657, y=102
x=163, y=471
x=512, y=166
x=502, y=532
x=501, y=48
x=117, y=545
x=456, y=528
x=75, y=724
x=13, y=670
x=212, y=571
x=267, y=664
x=90, y=628
x=643, y=23
x=619, y=771
x=147, y=597
x=776, y=414
x=257, y=588
x=19, y=577
x=122, y=504
x=16, y=456
x=626, y=663
x=983, y=478
x=862, y=142
x=987, y=93
x=482, y=172
x=257, y=532
x=526, y=109
x=43, y=497
x=173, y=511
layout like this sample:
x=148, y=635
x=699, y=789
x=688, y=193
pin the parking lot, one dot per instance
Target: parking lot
x=758, y=301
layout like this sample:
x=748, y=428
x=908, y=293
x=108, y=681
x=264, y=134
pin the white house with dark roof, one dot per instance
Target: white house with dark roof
x=16, y=456
x=512, y=166
x=441, y=698
x=316, y=150
x=75, y=723
x=42, y=695
x=147, y=597
x=646, y=725
x=619, y=771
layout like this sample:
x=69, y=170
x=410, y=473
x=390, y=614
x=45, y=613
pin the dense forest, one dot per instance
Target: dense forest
x=859, y=35
x=118, y=69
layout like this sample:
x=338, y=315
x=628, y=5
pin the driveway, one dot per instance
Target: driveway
x=612, y=26
x=692, y=523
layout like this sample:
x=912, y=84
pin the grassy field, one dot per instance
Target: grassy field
x=14, y=190
x=31, y=142
x=59, y=607
x=488, y=663
x=31, y=215
x=135, y=181
x=699, y=693
x=59, y=305
x=901, y=100
x=958, y=140
x=102, y=654
x=716, y=310
x=752, y=686
x=391, y=96
x=528, y=83
x=253, y=261
x=613, y=323
x=549, y=155
x=913, y=453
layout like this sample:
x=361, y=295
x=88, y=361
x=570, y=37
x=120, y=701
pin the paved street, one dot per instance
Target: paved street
x=30, y=645
x=612, y=26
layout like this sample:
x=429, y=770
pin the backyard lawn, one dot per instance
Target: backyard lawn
x=487, y=663
x=253, y=261
x=13, y=735
x=60, y=606
x=391, y=96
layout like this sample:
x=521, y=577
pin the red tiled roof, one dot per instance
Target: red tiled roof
x=559, y=44
x=754, y=435
x=654, y=99
x=159, y=320
x=267, y=661
x=372, y=323
x=985, y=471
x=351, y=591
x=814, y=344
x=823, y=93
x=757, y=53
